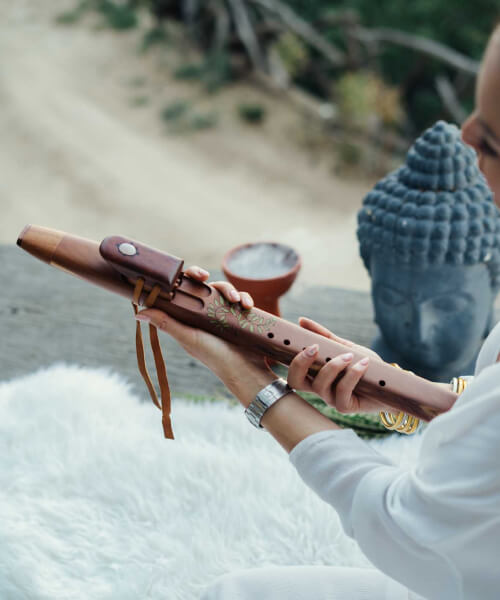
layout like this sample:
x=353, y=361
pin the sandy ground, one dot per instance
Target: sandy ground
x=83, y=149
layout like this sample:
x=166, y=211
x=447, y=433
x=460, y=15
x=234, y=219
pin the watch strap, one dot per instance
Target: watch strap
x=267, y=396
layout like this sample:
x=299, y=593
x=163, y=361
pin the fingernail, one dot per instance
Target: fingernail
x=233, y=294
x=203, y=272
x=142, y=317
x=364, y=361
x=312, y=350
x=348, y=356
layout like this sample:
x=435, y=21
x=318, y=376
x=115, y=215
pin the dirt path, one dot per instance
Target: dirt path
x=78, y=153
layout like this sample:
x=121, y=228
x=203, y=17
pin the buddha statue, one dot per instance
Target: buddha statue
x=429, y=236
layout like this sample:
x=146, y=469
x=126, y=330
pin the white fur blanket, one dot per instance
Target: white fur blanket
x=94, y=503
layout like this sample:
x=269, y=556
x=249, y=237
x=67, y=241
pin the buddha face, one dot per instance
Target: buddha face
x=432, y=316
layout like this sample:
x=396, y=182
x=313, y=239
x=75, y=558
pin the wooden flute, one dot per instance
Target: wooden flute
x=118, y=263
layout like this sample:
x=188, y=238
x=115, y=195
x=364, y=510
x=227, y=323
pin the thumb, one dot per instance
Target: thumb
x=311, y=325
x=160, y=320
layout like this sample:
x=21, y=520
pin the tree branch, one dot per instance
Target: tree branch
x=449, y=99
x=303, y=30
x=430, y=47
x=247, y=34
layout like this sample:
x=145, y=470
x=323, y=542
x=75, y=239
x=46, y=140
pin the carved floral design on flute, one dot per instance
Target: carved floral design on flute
x=219, y=311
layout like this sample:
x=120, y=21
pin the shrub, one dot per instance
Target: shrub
x=252, y=113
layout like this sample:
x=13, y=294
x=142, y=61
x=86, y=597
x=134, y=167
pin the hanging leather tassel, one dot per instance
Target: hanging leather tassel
x=164, y=404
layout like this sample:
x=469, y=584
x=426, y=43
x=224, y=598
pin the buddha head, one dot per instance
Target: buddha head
x=429, y=236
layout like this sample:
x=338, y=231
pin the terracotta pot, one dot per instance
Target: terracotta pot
x=266, y=270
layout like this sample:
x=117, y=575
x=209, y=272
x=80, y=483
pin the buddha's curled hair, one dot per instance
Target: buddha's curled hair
x=436, y=209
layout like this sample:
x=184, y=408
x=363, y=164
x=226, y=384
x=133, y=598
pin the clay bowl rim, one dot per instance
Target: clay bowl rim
x=278, y=278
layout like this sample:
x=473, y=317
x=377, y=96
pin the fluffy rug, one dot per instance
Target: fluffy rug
x=94, y=503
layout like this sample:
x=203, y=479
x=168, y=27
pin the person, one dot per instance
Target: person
x=433, y=531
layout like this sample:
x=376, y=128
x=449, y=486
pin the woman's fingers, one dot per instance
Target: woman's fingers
x=299, y=367
x=197, y=273
x=317, y=328
x=246, y=300
x=345, y=400
x=322, y=384
x=231, y=294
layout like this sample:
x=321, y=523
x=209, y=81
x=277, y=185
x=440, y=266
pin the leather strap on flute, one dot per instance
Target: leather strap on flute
x=161, y=372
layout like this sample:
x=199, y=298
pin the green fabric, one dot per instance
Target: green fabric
x=366, y=425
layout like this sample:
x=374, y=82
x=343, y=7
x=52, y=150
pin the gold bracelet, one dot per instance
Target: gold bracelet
x=458, y=384
x=402, y=422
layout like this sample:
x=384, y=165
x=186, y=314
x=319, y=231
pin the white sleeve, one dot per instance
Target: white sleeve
x=435, y=527
x=370, y=493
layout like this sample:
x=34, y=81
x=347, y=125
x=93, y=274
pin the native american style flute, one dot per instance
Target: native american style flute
x=150, y=277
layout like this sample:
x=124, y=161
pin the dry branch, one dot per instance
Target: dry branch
x=430, y=47
x=247, y=34
x=303, y=30
x=449, y=99
x=222, y=26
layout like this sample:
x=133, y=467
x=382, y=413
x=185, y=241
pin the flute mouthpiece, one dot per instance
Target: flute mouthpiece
x=41, y=242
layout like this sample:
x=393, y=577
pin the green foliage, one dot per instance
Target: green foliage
x=365, y=425
x=118, y=15
x=72, y=16
x=175, y=110
x=462, y=25
x=350, y=154
x=189, y=71
x=180, y=117
x=365, y=100
x=293, y=53
x=139, y=101
x=212, y=73
x=252, y=113
x=154, y=37
x=203, y=120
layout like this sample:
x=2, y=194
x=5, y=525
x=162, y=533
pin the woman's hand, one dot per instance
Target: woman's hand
x=230, y=293
x=243, y=371
x=339, y=395
x=230, y=362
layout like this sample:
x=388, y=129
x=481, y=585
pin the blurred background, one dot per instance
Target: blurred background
x=195, y=125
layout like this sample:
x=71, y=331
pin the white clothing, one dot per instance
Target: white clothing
x=307, y=583
x=434, y=528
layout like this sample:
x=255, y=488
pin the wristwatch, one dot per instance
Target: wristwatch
x=265, y=399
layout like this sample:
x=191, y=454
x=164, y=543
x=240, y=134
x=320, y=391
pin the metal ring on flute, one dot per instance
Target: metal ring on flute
x=402, y=422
